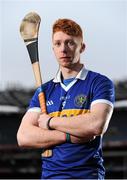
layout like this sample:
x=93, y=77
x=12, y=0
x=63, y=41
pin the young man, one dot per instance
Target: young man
x=79, y=105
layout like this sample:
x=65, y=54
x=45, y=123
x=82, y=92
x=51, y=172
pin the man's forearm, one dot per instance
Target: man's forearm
x=36, y=137
x=86, y=125
x=44, y=122
x=78, y=126
x=47, y=138
x=31, y=135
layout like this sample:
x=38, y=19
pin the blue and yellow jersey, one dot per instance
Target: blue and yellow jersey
x=75, y=160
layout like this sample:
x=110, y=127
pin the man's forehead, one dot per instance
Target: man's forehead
x=63, y=36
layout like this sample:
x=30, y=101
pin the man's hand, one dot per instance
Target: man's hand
x=42, y=121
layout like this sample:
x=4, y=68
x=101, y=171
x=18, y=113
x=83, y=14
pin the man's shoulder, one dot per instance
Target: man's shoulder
x=48, y=83
x=45, y=86
x=98, y=76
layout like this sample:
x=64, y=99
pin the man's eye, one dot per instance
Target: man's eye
x=57, y=44
x=71, y=43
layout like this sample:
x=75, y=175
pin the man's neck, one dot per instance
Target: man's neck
x=71, y=72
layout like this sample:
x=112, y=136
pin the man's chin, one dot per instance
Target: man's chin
x=69, y=65
x=66, y=65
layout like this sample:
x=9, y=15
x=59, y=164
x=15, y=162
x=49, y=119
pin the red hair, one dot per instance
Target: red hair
x=68, y=26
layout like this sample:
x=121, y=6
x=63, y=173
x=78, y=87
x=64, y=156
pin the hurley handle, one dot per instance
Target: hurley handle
x=42, y=102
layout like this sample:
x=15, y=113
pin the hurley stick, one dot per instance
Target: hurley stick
x=29, y=30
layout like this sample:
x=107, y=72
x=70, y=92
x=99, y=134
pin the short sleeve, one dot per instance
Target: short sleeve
x=34, y=105
x=103, y=91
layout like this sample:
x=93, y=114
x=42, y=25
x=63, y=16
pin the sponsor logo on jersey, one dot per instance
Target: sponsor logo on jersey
x=63, y=98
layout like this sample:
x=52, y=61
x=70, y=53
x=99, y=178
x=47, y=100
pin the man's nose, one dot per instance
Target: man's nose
x=64, y=48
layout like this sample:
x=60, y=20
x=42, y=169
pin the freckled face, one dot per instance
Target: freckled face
x=67, y=49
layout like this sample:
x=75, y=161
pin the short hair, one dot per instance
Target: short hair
x=67, y=26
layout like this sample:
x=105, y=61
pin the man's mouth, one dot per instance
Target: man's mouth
x=65, y=57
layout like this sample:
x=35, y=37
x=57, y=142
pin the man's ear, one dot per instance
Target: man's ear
x=82, y=47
